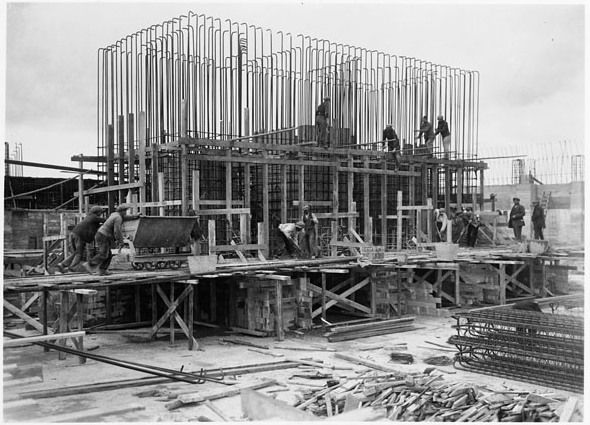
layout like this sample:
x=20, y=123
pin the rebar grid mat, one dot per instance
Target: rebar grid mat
x=531, y=346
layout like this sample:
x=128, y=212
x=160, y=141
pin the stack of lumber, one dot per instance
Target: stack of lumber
x=365, y=330
x=426, y=397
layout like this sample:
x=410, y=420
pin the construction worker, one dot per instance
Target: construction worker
x=443, y=129
x=106, y=236
x=309, y=247
x=473, y=224
x=292, y=235
x=392, y=141
x=322, y=114
x=83, y=233
x=538, y=219
x=426, y=130
x=441, y=222
x=516, y=220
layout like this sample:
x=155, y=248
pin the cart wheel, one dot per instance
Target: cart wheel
x=150, y=266
x=174, y=265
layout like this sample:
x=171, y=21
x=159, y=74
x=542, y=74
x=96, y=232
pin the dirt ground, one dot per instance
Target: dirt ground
x=213, y=353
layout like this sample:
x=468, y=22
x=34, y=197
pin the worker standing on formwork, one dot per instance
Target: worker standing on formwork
x=443, y=129
x=322, y=114
x=309, y=247
x=538, y=219
x=428, y=132
x=516, y=220
x=109, y=233
x=391, y=141
x=441, y=223
x=82, y=234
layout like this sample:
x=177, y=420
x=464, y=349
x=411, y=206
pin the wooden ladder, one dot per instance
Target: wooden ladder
x=544, y=202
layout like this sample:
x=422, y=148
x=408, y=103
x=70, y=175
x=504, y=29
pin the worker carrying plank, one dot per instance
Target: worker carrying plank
x=106, y=236
x=82, y=234
x=292, y=235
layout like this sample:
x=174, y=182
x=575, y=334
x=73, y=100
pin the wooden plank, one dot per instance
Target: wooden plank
x=112, y=188
x=346, y=293
x=399, y=222
x=568, y=409
x=284, y=193
x=366, y=363
x=236, y=247
x=379, y=171
x=224, y=211
x=7, y=343
x=334, y=216
x=93, y=414
x=33, y=322
x=265, y=210
x=156, y=204
x=279, y=310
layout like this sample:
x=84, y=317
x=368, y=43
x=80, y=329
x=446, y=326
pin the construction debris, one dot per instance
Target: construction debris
x=438, y=360
x=526, y=345
x=401, y=358
x=425, y=397
x=374, y=328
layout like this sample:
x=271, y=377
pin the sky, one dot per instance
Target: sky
x=531, y=60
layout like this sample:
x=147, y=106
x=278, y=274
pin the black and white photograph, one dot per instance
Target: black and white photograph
x=349, y=211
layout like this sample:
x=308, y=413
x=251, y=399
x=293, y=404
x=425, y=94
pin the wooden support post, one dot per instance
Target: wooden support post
x=424, y=184
x=481, y=190
x=284, y=218
x=412, y=195
x=301, y=190
x=323, y=298
x=137, y=303
x=373, y=297
x=384, y=206
x=349, y=196
x=458, y=285
x=335, y=208
x=399, y=219
x=448, y=183
x=244, y=235
x=161, y=193
x=81, y=188
x=435, y=186
x=154, y=308
x=247, y=198
x=368, y=228
x=211, y=235
x=261, y=237
x=279, y=310
x=503, y=283
x=459, y=188
x=429, y=220
x=228, y=190
x=418, y=227
x=184, y=177
x=196, y=195
x=212, y=302
x=190, y=319
x=121, y=154
x=265, y=209
x=142, y=169
x=155, y=180
x=111, y=166
x=172, y=333
x=64, y=309
x=80, y=327
x=44, y=299
x=131, y=146
x=107, y=304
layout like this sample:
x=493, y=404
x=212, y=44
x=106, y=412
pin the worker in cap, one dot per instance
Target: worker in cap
x=443, y=129
x=391, y=142
x=108, y=236
x=81, y=235
x=538, y=219
x=516, y=220
x=309, y=243
x=428, y=132
x=292, y=235
x=322, y=116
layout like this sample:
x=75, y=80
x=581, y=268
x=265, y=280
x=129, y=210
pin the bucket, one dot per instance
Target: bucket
x=446, y=251
x=202, y=263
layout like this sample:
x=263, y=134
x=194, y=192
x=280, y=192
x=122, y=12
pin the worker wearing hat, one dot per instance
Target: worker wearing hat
x=83, y=233
x=309, y=245
x=106, y=236
x=443, y=129
x=427, y=131
x=516, y=220
x=292, y=235
x=392, y=141
x=322, y=114
x=538, y=219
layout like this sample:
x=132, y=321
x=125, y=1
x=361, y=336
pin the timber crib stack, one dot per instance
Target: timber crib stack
x=425, y=397
x=365, y=330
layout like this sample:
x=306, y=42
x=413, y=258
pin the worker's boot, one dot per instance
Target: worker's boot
x=61, y=268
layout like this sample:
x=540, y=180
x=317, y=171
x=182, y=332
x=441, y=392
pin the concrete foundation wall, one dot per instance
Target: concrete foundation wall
x=565, y=217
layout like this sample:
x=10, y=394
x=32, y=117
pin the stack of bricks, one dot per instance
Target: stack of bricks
x=386, y=293
x=421, y=301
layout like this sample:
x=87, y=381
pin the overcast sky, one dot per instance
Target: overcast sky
x=530, y=57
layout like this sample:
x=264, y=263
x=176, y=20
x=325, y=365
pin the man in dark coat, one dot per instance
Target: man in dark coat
x=538, y=219
x=106, y=236
x=392, y=141
x=443, y=129
x=309, y=246
x=83, y=233
x=516, y=220
x=428, y=132
x=322, y=114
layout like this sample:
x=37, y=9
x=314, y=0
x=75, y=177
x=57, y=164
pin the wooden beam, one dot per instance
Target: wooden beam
x=345, y=294
x=13, y=309
x=265, y=209
x=110, y=165
x=384, y=206
x=368, y=231
x=283, y=193
x=301, y=189
x=399, y=222
x=224, y=211
x=114, y=188
x=141, y=149
x=378, y=171
x=237, y=247
x=40, y=338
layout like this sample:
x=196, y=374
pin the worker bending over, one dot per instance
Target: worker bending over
x=82, y=234
x=292, y=235
x=106, y=236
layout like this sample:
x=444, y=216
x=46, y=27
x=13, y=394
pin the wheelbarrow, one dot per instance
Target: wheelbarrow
x=153, y=233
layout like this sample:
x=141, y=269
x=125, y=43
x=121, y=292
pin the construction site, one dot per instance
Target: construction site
x=402, y=293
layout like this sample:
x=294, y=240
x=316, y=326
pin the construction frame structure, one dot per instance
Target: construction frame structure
x=202, y=113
